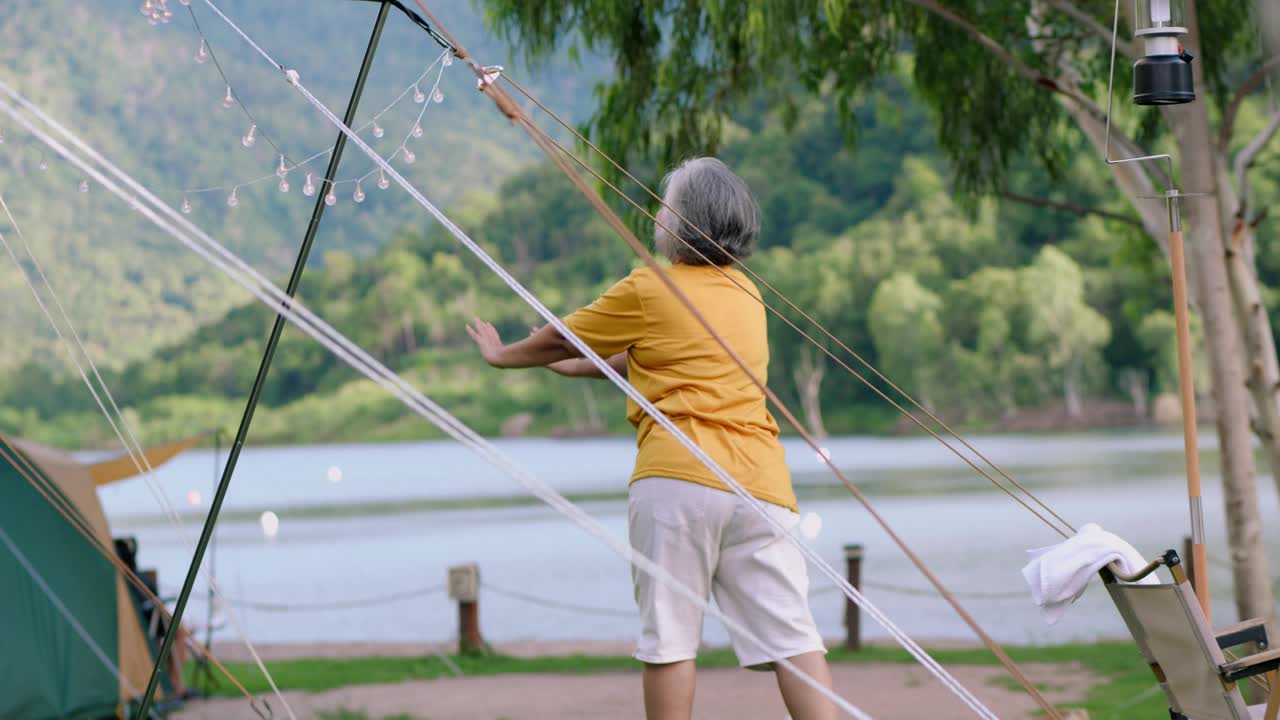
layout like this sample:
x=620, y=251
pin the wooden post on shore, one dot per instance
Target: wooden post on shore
x=464, y=586
x=852, y=615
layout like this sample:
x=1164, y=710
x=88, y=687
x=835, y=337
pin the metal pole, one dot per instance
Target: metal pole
x=1190, y=436
x=258, y=382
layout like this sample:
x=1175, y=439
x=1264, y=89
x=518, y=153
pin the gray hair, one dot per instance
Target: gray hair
x=706, y=193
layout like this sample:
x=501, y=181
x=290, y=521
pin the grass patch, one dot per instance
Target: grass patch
x=1123, y=675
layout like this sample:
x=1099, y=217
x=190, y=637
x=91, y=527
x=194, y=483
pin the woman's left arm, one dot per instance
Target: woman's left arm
x=541, y=348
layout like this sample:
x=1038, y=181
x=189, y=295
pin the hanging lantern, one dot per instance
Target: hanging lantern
x=1163, y=75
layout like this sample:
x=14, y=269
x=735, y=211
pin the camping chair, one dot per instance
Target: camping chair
x=1184, y=652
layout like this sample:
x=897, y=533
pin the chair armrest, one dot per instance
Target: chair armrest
x=1257, y=664
x=1249, y=631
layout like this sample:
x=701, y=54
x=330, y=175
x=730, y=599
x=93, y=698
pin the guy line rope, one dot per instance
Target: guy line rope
x=508, y=107
x=297, y=313
x=119, y=424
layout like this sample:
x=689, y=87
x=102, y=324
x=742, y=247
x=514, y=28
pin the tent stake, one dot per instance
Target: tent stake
x=273, y=341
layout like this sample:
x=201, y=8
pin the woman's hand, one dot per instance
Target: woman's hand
x=487, y=340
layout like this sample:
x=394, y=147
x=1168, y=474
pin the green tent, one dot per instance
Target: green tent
x=72, y=644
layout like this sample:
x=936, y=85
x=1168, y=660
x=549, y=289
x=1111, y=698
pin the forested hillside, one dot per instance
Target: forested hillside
x=984, y=308
x=137, y=93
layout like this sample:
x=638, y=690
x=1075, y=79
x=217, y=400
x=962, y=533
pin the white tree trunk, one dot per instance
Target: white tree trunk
x=808, y=374
x=1208, y=270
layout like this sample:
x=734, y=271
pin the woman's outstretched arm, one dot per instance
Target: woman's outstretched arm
x=543, y=347
x=582, y=367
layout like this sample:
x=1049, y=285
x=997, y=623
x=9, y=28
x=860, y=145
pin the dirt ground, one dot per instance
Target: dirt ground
x=885, y=691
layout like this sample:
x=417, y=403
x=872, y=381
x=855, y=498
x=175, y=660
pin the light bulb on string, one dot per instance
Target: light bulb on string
x=309, y=187
x=447, y=60
x=284, y=185
x=282, y=170
x=437, y=96
x=417, y=130
x=383, y=182
x=44, y=163
x=331, y=198
x=202, y=54
x=418, y=97
x=377, y=130
x=146, y=7
x=358, y=195
x=186, y=205
x=233, y=200
x=409, y=157
x=250, y=138
x=228, y=100
x=84, y=185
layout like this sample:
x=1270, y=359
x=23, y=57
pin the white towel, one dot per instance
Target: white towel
x=1059, y=574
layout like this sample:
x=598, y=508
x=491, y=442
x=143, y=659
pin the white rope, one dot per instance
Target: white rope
x=554, y=320
x=360, y=360
x=126, y=436
x=852, y=593
x=66, y=613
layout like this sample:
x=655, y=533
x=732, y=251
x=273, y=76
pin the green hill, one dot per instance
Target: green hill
x=135, y=92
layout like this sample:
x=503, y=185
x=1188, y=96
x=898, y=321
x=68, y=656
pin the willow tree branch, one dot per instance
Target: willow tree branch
x=1250, y=84
x=1062, y=88
x=1248, y=155
x=1127, y=48
x=1073, y=208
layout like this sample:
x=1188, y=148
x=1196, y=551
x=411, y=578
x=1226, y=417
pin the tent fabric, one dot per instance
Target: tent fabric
x=46, y=669
x=123, y=467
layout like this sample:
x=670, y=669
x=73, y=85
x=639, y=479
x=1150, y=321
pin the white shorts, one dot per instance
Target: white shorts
x=715, y=544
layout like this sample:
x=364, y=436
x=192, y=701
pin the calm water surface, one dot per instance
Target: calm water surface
x=381, y=529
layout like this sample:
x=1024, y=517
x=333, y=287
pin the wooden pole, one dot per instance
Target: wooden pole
x=1187, y=390
x=852, y=615
x=464, y=586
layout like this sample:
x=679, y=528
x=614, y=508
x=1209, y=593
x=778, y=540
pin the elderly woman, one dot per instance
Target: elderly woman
x=680, y=515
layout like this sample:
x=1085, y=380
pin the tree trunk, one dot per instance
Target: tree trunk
x=1208, y=271
x=1071, y=390
x=808, y=374
x=1137, y=382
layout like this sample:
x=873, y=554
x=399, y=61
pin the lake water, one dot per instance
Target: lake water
x=384, y=528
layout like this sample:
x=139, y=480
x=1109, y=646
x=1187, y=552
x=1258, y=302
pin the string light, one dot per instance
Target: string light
x=418, y=96
x=409, y=157
x=186, y=205
x=383, y=182
x=447, y=60
x=233, y=200
x=44, y=163
x=358, y=195
x=250, y=138
x=282, y=170
x=84, y=185
x=229, y=100
x=309, y=187
x=284, y=185
x=417, y=130
x=377, y=130
x=331, y=198
x=202, y=54
x=146, y=8
x=437, y=96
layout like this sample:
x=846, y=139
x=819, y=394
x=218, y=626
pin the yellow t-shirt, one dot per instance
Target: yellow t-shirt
x=675, y=363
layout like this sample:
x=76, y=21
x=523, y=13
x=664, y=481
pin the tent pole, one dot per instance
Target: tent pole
x=1187, y=390
x=273, y=341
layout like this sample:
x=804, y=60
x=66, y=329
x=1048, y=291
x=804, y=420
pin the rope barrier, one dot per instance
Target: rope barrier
x=235, y=268
x=337, y=604
x=557, y=604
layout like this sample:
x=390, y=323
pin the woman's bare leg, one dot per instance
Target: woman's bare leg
x=668, y=690
x=803, y=702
